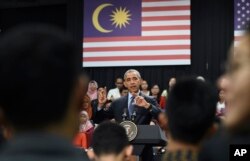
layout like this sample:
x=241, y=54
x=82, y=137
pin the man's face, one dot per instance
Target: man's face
x=132, y=82
x=238, y=96
x=119, y=83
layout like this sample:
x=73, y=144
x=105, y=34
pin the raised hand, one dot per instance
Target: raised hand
x=141, y=102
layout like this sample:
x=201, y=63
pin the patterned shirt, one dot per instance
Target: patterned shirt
x=181, y=156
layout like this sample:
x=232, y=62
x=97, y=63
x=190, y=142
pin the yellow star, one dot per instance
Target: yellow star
x=120, y=17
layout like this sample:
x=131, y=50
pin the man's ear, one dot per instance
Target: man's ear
x=128, y=150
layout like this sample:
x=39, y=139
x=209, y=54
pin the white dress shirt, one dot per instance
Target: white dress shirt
x=129, y=97
x=114, y=94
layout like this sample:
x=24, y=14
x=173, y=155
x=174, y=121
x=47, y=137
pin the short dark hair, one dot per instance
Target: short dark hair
x=191, y=110
x=38, y=71
x=109, y=138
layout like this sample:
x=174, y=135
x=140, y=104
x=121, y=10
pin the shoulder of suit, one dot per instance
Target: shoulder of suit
x=120, y=99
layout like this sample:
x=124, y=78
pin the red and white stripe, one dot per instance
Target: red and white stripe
x=165, y=39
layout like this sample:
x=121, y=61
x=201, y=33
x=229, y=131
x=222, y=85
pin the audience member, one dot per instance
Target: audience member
x=86, y=106
x=124, y=91
x=41, y=93
x=190, y=117
x=221, y=104
x=155, y=92
x=116, y=92
x=144, y=88
x=81, y=139
x=98, y=105
x=237, y=94
x=110, y=143
x=85, y=123
x=164, y=94
x=92, y=90
x=171, y=83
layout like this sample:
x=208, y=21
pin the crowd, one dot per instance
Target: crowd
x=50, y=111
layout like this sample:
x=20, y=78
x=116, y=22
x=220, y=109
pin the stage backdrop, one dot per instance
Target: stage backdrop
x=212, y=32
x=136, y=33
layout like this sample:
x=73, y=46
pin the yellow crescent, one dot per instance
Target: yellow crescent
x=96, y=15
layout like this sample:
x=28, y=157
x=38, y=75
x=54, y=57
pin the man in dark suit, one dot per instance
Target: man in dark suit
x=143, y=108
x=135, y=103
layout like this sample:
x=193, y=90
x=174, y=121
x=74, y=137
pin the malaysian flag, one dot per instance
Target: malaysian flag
x=136, y=33
x=241, y=18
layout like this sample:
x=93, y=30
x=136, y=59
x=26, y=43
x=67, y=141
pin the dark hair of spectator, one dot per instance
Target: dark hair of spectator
x=109, y=138
x=191, y=110
x=117, y=79
x=38, y=71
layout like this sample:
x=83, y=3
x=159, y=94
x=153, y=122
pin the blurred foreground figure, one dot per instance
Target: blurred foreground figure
x=190, y=117
x=41, y=92
x=110, y=143
x=237, y=97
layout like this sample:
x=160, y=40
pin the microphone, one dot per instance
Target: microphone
x=124, y=115
x=133, y=116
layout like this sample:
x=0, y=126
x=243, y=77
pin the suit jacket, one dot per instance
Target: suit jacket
x=143, y=116
x=98, y=116
x=41, y=147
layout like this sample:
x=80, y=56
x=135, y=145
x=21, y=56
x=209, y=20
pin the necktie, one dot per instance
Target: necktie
x=131, y=106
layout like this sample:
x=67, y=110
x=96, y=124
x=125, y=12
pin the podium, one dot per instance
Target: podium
x=148, y=135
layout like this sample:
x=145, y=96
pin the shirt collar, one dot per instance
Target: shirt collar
x=130, y=95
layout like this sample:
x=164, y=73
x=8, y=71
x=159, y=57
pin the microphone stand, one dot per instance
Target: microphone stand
x=124, y=115
x=133, y=116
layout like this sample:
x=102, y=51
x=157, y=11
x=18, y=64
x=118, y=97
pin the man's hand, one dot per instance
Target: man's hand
x=140, y=101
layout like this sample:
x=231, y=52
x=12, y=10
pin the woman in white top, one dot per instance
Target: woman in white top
x=144, y=88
